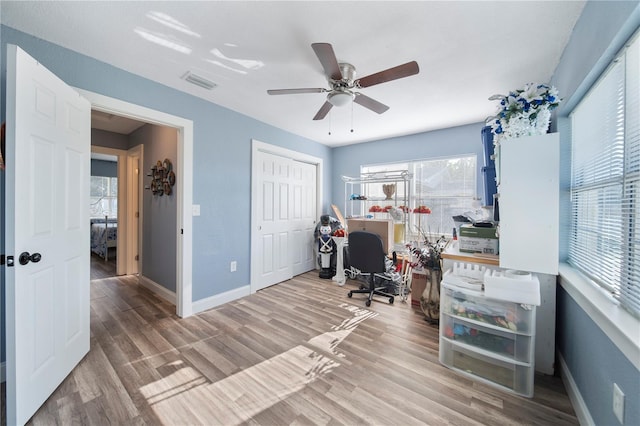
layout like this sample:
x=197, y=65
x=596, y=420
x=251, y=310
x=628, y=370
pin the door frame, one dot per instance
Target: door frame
x=258, y=146
x=121, y=251
x=184, y=185
x=135, y=186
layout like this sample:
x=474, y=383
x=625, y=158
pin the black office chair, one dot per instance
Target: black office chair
x=367, y=255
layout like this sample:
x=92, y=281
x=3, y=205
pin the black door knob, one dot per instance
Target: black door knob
x=25, y=258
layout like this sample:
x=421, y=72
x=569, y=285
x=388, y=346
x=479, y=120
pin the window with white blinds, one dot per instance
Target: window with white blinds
x=605, y=184
x=446, y=185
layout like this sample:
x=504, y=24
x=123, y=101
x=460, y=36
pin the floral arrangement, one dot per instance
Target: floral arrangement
x=428, y=257
x=524, y=112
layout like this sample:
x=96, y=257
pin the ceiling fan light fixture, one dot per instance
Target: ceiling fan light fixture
x=340, y=98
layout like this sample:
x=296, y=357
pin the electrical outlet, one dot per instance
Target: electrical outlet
x=618, y=403
x=233, y=266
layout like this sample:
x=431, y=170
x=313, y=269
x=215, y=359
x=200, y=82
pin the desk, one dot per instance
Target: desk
x=452, y=253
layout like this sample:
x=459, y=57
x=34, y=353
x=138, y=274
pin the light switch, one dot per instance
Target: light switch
x=196, y=209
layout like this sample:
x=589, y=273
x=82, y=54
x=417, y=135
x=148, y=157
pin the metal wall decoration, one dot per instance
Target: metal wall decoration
x=163, y=178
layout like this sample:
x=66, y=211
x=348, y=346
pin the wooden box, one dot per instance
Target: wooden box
x=382, y=227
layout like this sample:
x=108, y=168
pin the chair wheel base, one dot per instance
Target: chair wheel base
x=350, y=294
x=368, y=303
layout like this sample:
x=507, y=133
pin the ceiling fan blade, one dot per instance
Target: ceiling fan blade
x=327, y=58
x=401, y=71
x=370, y=103
x=324, y=110
x=294, y=91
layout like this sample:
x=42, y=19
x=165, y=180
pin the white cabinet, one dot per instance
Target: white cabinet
x=489, y=340
x=529, y=197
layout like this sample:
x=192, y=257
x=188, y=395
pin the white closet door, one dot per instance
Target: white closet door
x=274, y=207
x=303, y=217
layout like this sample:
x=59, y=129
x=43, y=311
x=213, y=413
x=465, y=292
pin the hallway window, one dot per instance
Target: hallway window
x=104, y=197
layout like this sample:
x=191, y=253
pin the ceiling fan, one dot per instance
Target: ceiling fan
x=342, y=82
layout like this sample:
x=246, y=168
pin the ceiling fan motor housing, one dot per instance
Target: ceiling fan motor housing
x=348, y=72
x=340, y=94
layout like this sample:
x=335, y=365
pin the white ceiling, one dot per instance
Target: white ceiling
x=114, y=123
x=466, y=51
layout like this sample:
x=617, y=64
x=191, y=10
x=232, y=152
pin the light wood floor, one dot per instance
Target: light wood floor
x=299, y=352
x=101, y=268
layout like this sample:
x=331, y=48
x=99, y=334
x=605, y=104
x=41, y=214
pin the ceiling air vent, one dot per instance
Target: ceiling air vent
x=198, y=80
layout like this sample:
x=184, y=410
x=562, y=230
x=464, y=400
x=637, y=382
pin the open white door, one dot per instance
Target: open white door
x=47, y=199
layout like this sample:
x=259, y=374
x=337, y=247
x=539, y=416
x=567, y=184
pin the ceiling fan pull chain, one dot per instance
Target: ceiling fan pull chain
x=351, y=117
x=330, y=122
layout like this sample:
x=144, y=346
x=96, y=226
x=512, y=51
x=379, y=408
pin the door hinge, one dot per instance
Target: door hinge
x=181, y=231
x=137, y=214
x=1, y=259
x=8, y=260
x=137, y=257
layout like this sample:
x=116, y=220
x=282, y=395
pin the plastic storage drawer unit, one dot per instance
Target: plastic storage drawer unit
x=487, y=339
x=481, y=310
x=512, y=376
x=490, y=340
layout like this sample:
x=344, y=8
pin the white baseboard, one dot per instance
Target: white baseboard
x=162, y=292
x=219, y=299
x=580, y=407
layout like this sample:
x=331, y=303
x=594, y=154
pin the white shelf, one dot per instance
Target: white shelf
x=365, y=185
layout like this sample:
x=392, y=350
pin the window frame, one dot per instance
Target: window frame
x=616, y=281
x=111, y=198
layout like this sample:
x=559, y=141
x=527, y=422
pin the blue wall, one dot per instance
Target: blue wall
x=159, y=212
x=595, y=364
x=593, y=360
x=104, y=168
x=109, y=139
